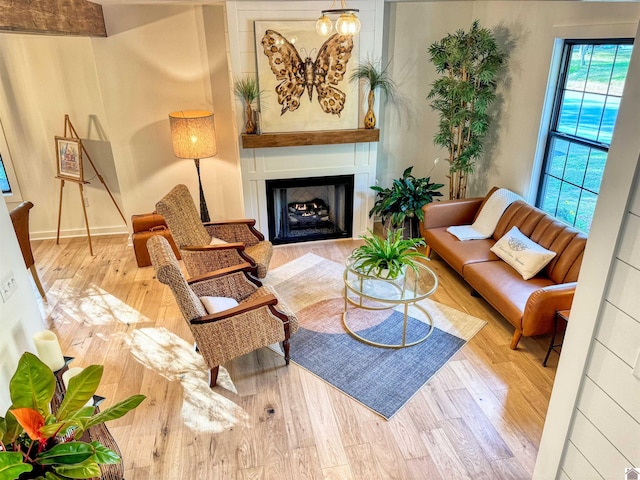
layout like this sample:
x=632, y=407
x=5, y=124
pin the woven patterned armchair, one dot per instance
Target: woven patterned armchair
x=254, y=323
x=194, y=239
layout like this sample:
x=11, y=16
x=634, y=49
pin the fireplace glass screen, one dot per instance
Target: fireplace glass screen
x=314, y=208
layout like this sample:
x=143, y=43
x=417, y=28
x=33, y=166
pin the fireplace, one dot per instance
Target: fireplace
x=311, y=208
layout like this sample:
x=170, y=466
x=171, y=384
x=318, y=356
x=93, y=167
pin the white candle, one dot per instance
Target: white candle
x=72, y=372
x=48, y=349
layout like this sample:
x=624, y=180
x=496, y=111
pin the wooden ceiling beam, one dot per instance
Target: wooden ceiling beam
x=52, y=17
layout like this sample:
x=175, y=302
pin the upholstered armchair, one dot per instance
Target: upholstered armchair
x=212, y=245
x=20, y=219
x=241, y=314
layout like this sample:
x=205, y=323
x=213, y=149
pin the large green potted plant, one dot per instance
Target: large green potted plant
x=470, y=64
x=44, y=445
x=376, y=77
x=389, y=257
x=400, y=206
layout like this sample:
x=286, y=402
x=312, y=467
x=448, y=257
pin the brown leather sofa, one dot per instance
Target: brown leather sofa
x=529, y=305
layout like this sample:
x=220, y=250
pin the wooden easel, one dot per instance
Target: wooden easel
x=70, y=132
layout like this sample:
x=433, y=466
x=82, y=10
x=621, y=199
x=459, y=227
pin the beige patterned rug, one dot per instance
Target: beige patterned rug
x=383, y=379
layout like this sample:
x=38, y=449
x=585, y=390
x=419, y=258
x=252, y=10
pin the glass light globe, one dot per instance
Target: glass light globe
x=324, y=26
x=348, y=24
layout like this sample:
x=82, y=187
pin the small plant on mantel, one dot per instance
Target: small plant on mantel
x=377, y=77
x=36, y=443
x=387, y=258
x=246, y=89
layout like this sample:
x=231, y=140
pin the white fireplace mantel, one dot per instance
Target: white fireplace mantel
x=357, y=159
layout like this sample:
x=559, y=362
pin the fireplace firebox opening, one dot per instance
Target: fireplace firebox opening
x=311, y=208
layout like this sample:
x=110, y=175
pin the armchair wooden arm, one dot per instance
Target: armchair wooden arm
x=232, y=312
x=215, y=247
x=248, y=222
x=241, y=267
x=208, y=258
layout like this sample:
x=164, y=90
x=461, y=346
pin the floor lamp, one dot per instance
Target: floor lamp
x=194, y=136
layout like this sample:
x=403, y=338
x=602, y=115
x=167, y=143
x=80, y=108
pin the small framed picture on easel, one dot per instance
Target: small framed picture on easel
x=69, y=155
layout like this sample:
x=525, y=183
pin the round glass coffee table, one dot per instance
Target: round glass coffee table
x=373, y=293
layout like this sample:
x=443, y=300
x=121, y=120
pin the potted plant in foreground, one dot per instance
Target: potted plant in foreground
x=387, y=258
x=400, y=206
x=36, y=443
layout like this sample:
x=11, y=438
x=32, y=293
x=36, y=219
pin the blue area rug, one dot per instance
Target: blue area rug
x=382, y=379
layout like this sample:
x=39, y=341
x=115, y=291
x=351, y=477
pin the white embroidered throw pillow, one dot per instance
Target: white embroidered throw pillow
x=523, y=254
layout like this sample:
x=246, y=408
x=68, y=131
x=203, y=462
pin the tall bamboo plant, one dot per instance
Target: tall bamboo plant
x=470, y=63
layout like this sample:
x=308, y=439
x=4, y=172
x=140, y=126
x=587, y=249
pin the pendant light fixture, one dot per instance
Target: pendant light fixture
x=348, y=22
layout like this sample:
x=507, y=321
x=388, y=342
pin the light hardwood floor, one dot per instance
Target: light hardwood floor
x=480, y=417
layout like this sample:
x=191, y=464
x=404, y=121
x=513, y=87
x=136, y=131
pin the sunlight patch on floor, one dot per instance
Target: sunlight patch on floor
x=203, y=409
x=158, y=349
x=92, y=306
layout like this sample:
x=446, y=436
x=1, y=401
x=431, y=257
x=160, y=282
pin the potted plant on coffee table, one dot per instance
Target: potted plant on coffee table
x=387, y=258
x=38, y=443
x=400, y=206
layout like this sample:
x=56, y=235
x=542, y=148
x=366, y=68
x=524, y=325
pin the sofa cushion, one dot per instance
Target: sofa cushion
x=522, y=253
x=503, y=287
x=457, y=253
x=552, y=234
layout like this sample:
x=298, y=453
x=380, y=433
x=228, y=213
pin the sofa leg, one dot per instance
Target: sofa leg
x=517, y=335
x=428, y=252
x=474, y=293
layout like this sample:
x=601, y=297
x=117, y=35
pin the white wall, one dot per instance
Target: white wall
x=118, y=92
x=20, y=316
x=593, y=414
x=44, y=78
x=529, y=28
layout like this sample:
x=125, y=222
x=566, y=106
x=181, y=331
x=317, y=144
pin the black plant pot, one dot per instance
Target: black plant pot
x=410, y=228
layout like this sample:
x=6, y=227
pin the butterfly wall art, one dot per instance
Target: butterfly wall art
x=305, y=78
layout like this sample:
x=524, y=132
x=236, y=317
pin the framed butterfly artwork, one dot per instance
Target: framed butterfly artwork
x=304, y=78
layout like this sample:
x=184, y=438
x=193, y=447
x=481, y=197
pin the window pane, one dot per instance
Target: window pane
x=569, y=111
x=589, y=100
x=558, y=157
x=593, y=177
x=4, y=181
x=576, y=164
x=578, y=66
x=568, y=203
x=620, y=69
x=551, y=195
x=600, y=68
x=586, y=208
x=590, y=116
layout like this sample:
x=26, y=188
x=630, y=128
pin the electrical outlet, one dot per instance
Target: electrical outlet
x=8, y=286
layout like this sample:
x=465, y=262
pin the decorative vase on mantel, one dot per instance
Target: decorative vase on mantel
x=250, y=126
x=370, y=117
